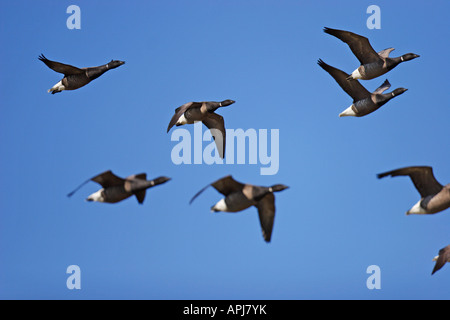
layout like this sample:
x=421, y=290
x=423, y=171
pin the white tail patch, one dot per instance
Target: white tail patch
x=57, y=87
x=356, y=74
x=417, y=209
x=96, y=196
x=348, y=112
x=181, y=120
x=220, y=206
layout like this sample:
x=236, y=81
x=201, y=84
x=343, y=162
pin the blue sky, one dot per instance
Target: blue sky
x=336, y=219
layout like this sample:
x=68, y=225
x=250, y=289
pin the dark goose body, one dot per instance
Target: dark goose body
x=74, y=77
x=239, y=196
x=204, y=111
x=115, y=189
x=373, y=64
x=364, y=102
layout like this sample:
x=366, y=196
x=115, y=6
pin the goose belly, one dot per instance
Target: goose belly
x=191, y=115
x=372, y=70
x=72, y=82
x=115, y=194
x=365, y=106
x=234, y=202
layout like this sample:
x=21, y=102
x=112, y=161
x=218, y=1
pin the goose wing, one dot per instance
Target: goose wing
x=386, y=85
x=225, y=186
x=444, y=256
x=359, y=45
x=353, y=88
x=105, y=179
x=422, y=177
x=108, y=179
x=61, y=67
x=385, y=53
x=216, y=124
x=266, y=213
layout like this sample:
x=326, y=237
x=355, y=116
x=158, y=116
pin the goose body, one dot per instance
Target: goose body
x=192, y=112
x=74, y=77
x=364, y=102
x=239, y=196
x=115, y=189
x=372, y=64
x=441, y=259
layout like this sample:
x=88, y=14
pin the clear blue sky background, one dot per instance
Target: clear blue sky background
x=336, y=219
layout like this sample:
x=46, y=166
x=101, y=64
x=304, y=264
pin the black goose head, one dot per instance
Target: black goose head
x=381, y=99
x=227, y=102
x=161, y=180
x=278, y=187
x=398, y=92
x=409, y=56
x=115, y=63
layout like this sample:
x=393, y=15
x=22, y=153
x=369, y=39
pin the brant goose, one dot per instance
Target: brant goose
x=435, y=197
x=442, y=258
x=74, y=77
x=364, y=102
x=239, y=196
x=191, y=112
x=373, y=64
x=116, y=189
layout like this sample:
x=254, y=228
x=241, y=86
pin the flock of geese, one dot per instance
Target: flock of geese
x=239, y=196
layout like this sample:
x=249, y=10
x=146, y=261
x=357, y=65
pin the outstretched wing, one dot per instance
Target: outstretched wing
x=140, y=196
x=422, y=177
x=266, y=212
x=61, y=67
x=385, y=53
x=225, y=186
x=359, y=45
x=353, y=88
x=107, y=179
x=141, y=176
x=181, y=110
x=386, y=85
x=216, y=124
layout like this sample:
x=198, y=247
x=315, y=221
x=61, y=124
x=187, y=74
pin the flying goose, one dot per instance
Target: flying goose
x=435, y=197
x=239, y=196
x=442, y=258
x=191, y=112
x=364, y=102
x=373, y=64
x=115, y=189
x=74, y=77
